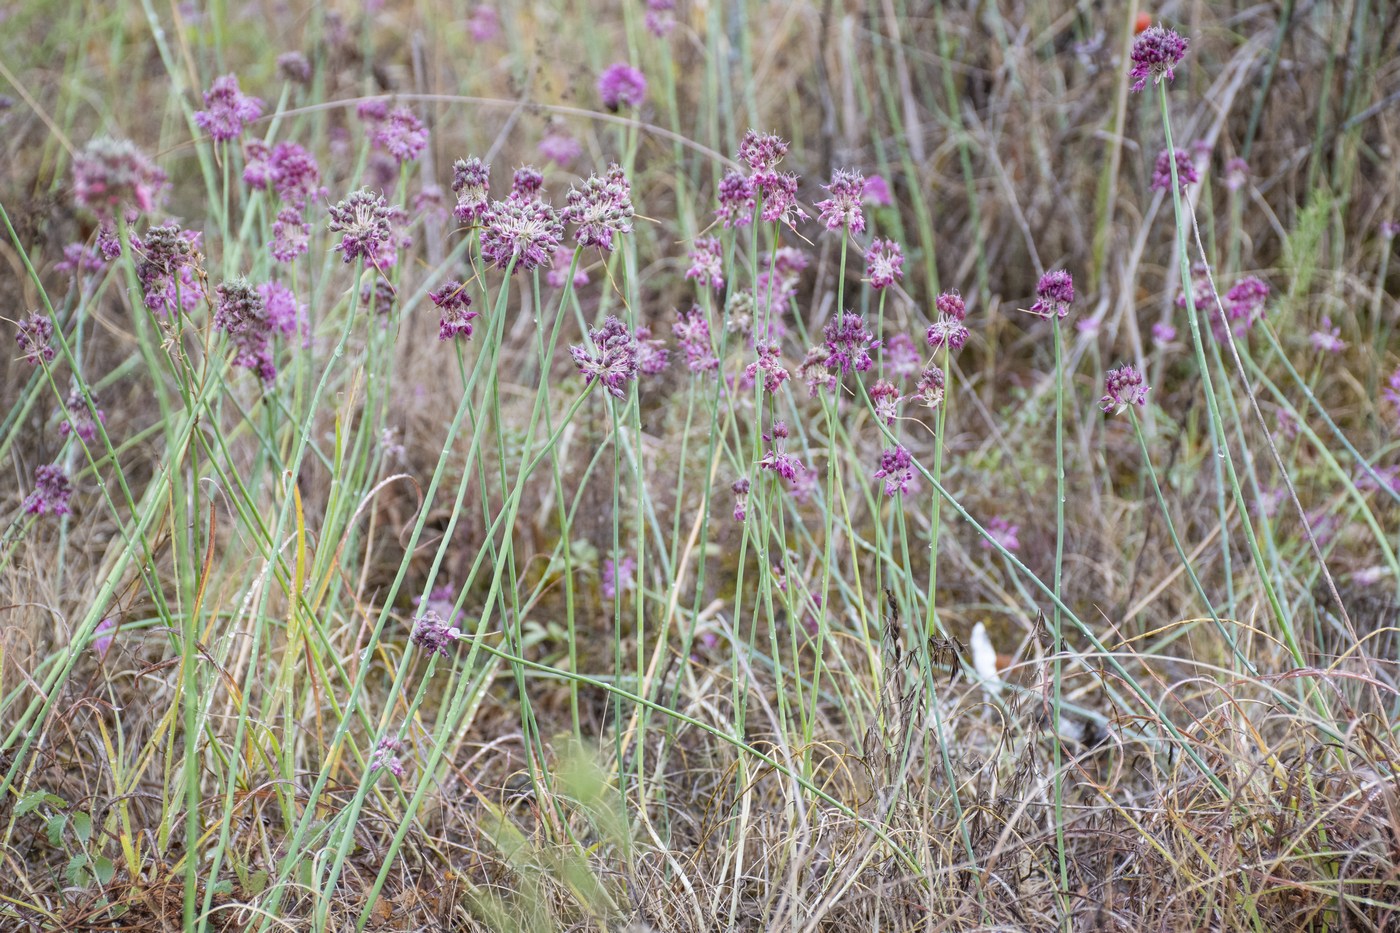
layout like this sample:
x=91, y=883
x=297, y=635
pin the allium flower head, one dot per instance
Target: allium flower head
x=901, y=355
x=815, y=370
x=362, y=219
x=617, y=576
x=777, y=459
x=850, y=342
x=877, y=191
x=373, y=110
x=1328, y=337
x=1202, y=294
x=80, y=421
x=621, y=85
x=167, y=269
x=1163, y=332
x=1002, y=532
x=1156, y=52
x=779, y=191
x=229, y=109
x=289, y=169
x=741, y=498
x=284, y=313
x=1244, y=305
x=79, y=261
x=660, y=18
x=930, y=387
x=707, y=263
x=33, y=337
x=1186, y=173
x=402, y=135
x=736, y=200
x=108, y=173
x=884, y=263
x=614, y=359
x=526, y=183
x=386, y=757
x=560, y=148
x=241, y=313
x=896, y=469
x=294, y=68
x=948, y=332
x=456, y=307
x=692, y=332
x=50, y=493
x=843, y=208
x=1123, y=386
x=951, y=304
x=1236, y=174
x=484, y=24
x=291, y=235
x=103, y=637
x=433, y=634
x=525, y=231
x=761, y=151
x=1054, y=294
x=770, y=364
x=601, y=209
x=885, y=397
x=652, y=354
x=558, y=273
x=470, y=178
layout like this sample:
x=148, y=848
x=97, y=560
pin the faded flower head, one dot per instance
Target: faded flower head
x=80, y=420
x=557, y=276
x=50, y=493
x=1123, y=386
x=885, y=397
x=761, y=151
x=167, y=269
x=652, y=355
x=741, y=498
x=1236, y=174
x=402, y=135
x=1328, y=337
x=103, y=636
x=108, y=173
x=524, y=231
x=602, y=209
x=617, y=576
x=33, y=337
x=661, y=17
x=1388, y=229
x=815, y=370
x=1163, y=332
x=777, y=459
x=877, y=191
x=884, y=263
x=707, y=263
x=1392, y=391
x=736, y=200
x=559, y=147
x=229, y=109
x=433, y=634
x=901, y=355
x=896, y=469
x=284, y=313
x=294, y=68
x=621, y=85
x=291, y=235
x=770, y=364
x=850, y=342
x=363, y=220
x=930, y=387
x=470, y=179
x=386, y=757
x=692, y=332
x=484, y=24
x=1054, y=294
x=1156, y=52
x=1244, y=305
x=456, y=307
x=241, y=313
x=843, y=208
x=1186, y=173
x=614, y=359
x=1002, y=532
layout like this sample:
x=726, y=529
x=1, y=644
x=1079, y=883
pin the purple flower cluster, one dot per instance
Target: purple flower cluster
x=735, y=196
x=815, y=370
x=617, y=576
x=901, y=354
x=108, y=173
x=1000, y=531
x=621, y=85
x=1202, y=294
x=885, y=397
x=291, y=235
x=1244, y=305
x=33, y=337
x=241, y=313
x=559, y=147
x=896, y=469
x=526, y=183
x=601, y=209
x=948, y=331
x=707, y=263
x=741, y=496
x=661, y=17
x=456, y=307
x=386, y=757
x=168, y=269
x=1328, y=337
x=363, y=220
x=80, y=421
x=1236, y=174
x=402, y=135
x=929, y=388
x=484, y=24
x=1392, y=390
x=294, y=68
x=284, y=313
x=229, y=109
x=1186, y=173
x=652, y=355
x=559, y=270
x=843, y=208
x=614, y=361
x=1054, y=294
x=769, y=363
x=470, y=179
x=777, y=459
x=1156, y=52
x=286, y=168
x=520, y=230
x=433, y=634
x=692, y=332
x=951, y=304
x=850, y=342
x=877, y=191
x=884, y=263
x=761, y=151
x=50, y=493
x=1123, y=386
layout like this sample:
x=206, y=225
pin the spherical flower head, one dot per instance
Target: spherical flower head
x=79, y=261
x=1163, y=332
x=433, y=634
x=777, y=459
x=929, y=388
x=373, y=111
x=896, y=469
x=1245, y=301
x=241, y=313
x=877, y=191
x=620, y=85
x=850, y=342
x=167, y=269
x=560, y=148
x=617, y=576
x=1156, y=52
x=33, y=337
x=741, y=498
x=770, y=364
x=601, y=209
x=1186, y=173
x=707, y=263
x=1328, y=338
x=484, y=23
x=295, y=175
x=843, y=208
x=901, y=355
x=104, y=635
x=402, y=135
x=1000, y=531
x=736, y=200
x=761, y=151
x=525, y=231
x=526, y=183
x=456, y=307
x=652, y=355
x=692, y=332
x=885, y=397
x=884, y=263
x=660, y=18
x=50, y=493
x=948, y=332
x=470, y=179
x=1054, y=294
x=951, y=304
x=80, y=420
x=293, y=68
x=386, y=757
x=229, y=110
x=613, y=360
x=779, y=191
x=284, y=313
x=815, y=370
x=1202, y=291
x=291, y=235
x=109, y=173
x=257, y=164
x=1236, y=174
x=363, y=220
x=558, y=273
x=1123, y=386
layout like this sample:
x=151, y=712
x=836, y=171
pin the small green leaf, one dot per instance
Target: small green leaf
x=104, y=869
x=32, y=801
x=257, y=882
x=82, y=826
x=54, y=827
x=222, y=887
x=77, y=871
